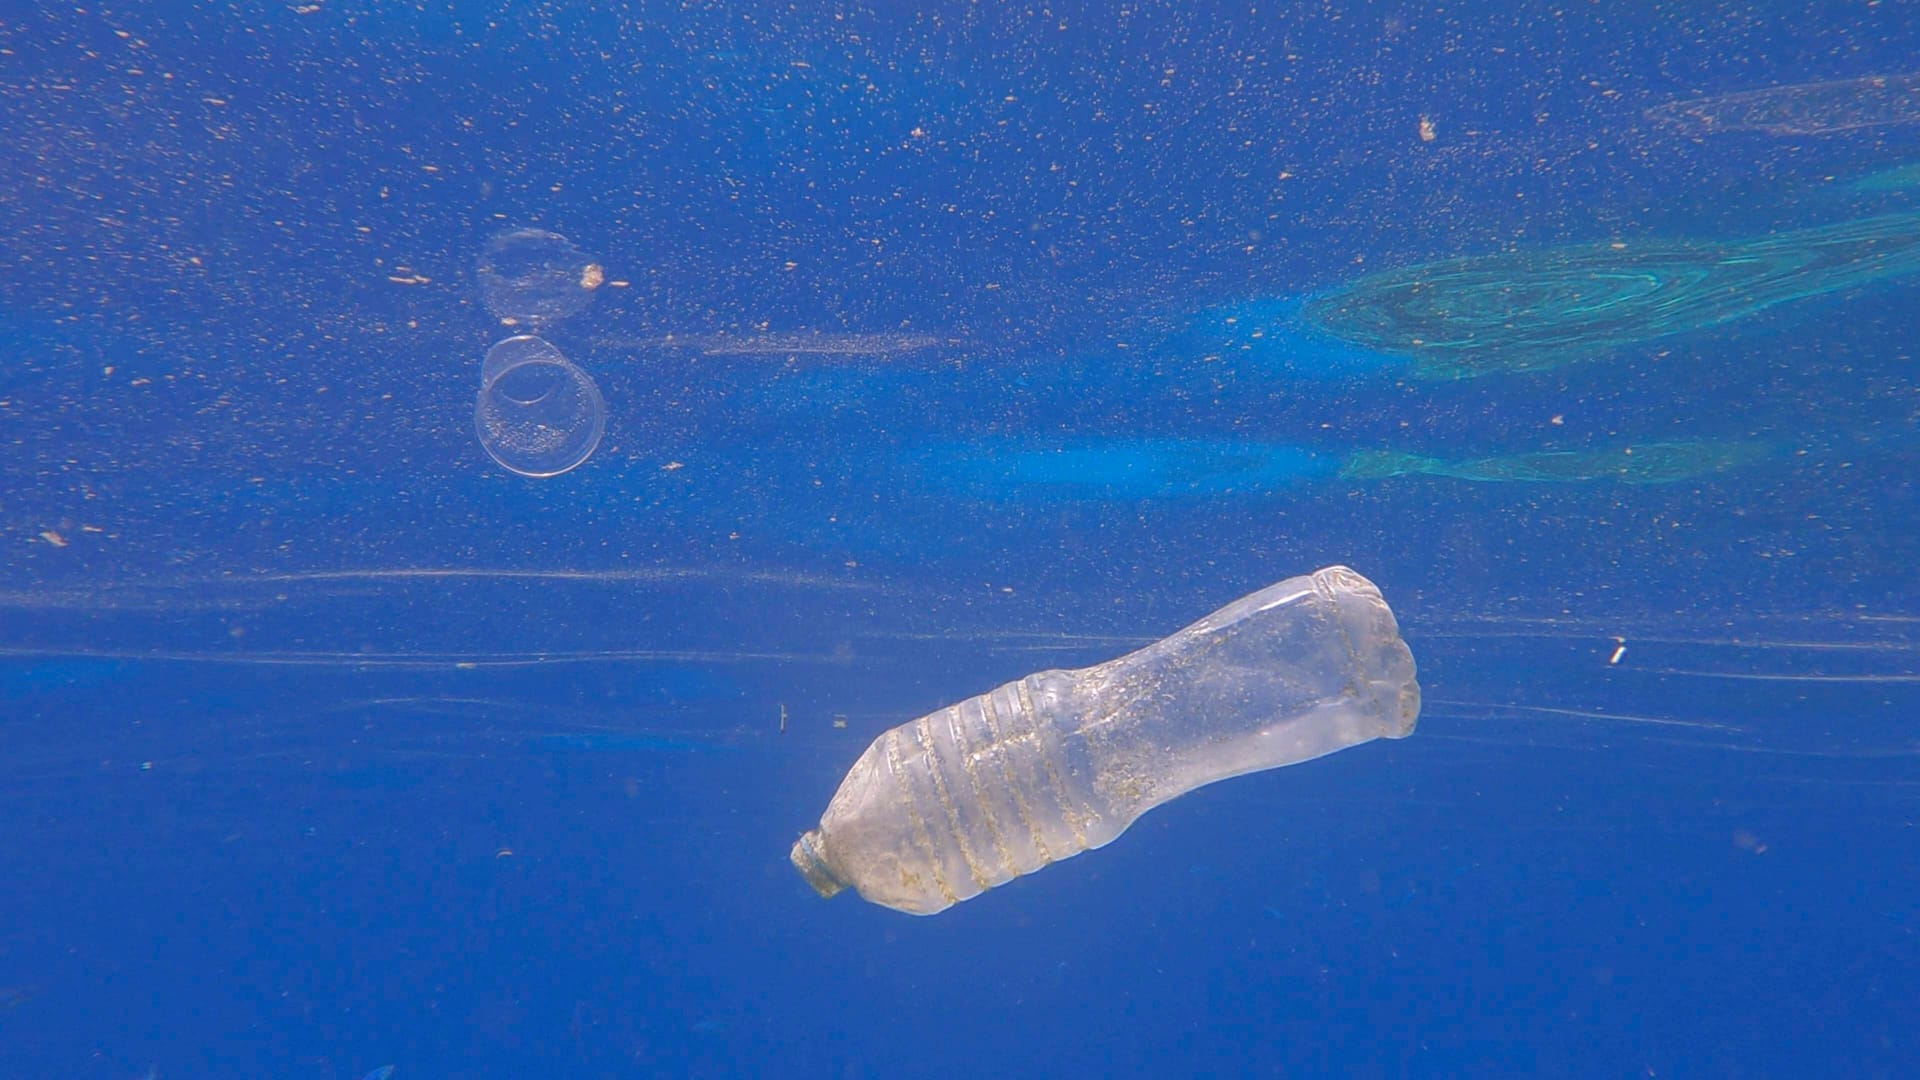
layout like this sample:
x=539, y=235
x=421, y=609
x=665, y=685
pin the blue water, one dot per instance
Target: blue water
x=937, y=345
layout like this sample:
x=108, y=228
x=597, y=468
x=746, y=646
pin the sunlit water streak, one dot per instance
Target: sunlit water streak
x=415, y=660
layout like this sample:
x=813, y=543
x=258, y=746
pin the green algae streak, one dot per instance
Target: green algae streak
x=1531, y=310
x=1893, y=179
x=1644, y=463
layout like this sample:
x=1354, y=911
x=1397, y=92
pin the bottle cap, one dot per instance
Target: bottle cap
x=813, y=866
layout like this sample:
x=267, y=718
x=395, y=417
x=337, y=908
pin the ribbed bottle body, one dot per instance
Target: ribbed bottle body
x=963, y=799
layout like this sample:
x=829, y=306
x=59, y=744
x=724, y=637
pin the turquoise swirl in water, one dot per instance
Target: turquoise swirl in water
x=1529, y=310
x=1642, y=463
x=1095, y=469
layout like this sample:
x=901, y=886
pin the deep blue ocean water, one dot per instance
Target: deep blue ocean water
x=934, y=345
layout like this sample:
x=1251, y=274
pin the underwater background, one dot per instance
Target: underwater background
x=473, y=477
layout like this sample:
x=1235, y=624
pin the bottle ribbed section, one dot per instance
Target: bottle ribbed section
x=986, y=782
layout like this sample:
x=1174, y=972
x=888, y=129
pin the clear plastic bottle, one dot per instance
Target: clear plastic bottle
x=1043, y=768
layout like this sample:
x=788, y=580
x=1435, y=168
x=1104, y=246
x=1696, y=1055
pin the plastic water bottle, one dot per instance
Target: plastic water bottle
x=1043, y=768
